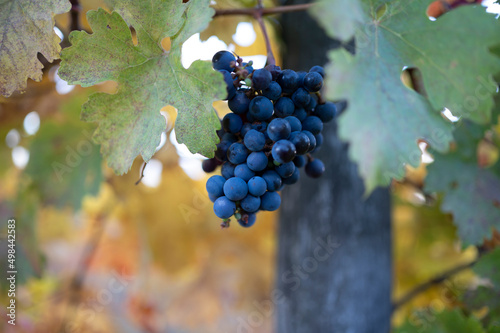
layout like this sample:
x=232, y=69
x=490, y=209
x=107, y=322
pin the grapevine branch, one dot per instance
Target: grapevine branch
x=263, y=11
x=76, y=283
x=258, y=13
x=258, y=16
x=437, y=280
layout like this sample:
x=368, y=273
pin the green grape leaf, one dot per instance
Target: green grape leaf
x=489, y=267
x=384, y=118
x=448, y=321
x=488, y=295
x=471, y=193
x=483, y=296
x=149, y=78
x=27, y=28
x=64, y=164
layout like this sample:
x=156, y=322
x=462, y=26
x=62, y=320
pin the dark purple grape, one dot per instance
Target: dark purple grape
x=261, y=79
x=209, y=165
x=224, y=60
x=315, y=168
x=283, y=151
x=313, y=81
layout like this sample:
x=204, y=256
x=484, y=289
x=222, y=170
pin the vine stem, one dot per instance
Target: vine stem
x=258, y=16
x=437, y=280
x=75, y=15
x=264, y=11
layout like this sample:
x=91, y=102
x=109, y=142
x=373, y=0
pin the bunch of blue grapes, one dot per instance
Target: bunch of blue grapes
x=275, y=125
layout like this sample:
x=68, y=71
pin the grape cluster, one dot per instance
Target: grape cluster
x=276, y=123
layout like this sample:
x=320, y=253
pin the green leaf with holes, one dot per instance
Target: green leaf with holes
x=384, y=118
x=26, y=29
x=149, y=78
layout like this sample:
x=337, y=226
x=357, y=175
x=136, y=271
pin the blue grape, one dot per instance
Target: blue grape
x=326, y=112
x=312, y=140
x=257, y=161
x=224, y=208
x=254, y=140
x=261, y=108
x=318, y=69
x=221, y=152
x=230, y=88
x=274, y=70
x=239, y=103
x=312, y=124
x=215, y=185
x=283, y=151
x=313, y=81
x=212, y=197
x=260, y=126
x=300, y=113
x=300, y=75
x=293, y=178
x=284, y=107
x=261, y=78
x=250, y=203
x=319, y=141
x=295, y=123
x=315, y=168
x=223, y=60
x=311, y=105
x=301, y=97
x=227, y=170
x=245, y=128
x=273, y=180
x=273, y=91
x=237, y=153
x=299, y=161
x=235, y=189
x=232, y=123
x=288, y=80
x=285, y=170
x=247, y=220
x=270, y=201
x=257, y=186
x=243, y=171
x=209, y=165
x=278, y=129
x=301, y=142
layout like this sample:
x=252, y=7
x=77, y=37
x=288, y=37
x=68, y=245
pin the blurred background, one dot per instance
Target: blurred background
x=97, y=253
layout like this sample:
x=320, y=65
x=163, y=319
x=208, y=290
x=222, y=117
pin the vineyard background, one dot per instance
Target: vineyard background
x=98, y=253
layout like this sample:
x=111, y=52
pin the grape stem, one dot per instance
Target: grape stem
x=264, y=11
x=141, y=174
x=75, y=15
x=257, y=14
